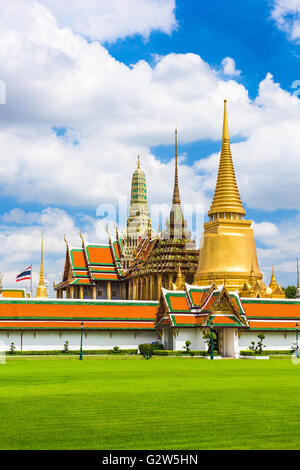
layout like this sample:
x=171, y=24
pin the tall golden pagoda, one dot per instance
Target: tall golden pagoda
x=227, y=250
x=41, y=291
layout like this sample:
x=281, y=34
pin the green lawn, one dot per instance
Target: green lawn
x=163, y=403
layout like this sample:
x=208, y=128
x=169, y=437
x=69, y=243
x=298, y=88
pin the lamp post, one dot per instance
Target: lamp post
x=81, y=326
x=297, y=345
x=211, y=343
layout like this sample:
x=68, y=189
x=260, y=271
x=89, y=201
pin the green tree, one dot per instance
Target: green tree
x=12, y=348
x=66, y=347
x=258, y=348
x=260, y=344
x=207, y=339
x=290, y=292
x=187, y=345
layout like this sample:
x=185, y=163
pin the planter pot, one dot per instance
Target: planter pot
x=254, y=357
x=215, y=357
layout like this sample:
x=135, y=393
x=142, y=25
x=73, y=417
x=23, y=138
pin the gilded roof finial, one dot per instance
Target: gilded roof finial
x=179, y=283
x=65, y=240
x=226, y=198
x=273, y=283
x=81, y=236
x=41, y=291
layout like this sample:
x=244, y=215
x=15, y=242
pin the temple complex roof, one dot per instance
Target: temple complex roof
x=216, y=307
x=68, y=314
x=92, y=262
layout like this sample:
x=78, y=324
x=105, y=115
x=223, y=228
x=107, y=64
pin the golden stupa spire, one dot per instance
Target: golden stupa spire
x=41, y=291
x=179, y=283
x=273, y=282
x=139, y=162
x=226, y=198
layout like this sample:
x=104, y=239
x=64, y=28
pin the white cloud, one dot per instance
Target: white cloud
x=108, y=20
x=56, y=78
x=279, y=247
x=265, y=230
x=18, y=216
x=286, y=14
x=229, y=67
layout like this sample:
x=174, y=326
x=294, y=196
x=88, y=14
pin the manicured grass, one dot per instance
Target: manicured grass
x=163, y=403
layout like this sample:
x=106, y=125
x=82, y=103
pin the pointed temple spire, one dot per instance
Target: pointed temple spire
x=273, y=282
x=176, y=194
x=177, y=224
x=226, y=198
x=298, y=281
x=41, y=291
x=138, y=217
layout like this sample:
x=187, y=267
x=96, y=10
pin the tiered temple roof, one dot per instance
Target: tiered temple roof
x=92, y=262
x=213, y=306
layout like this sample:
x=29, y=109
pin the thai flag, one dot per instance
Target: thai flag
x=26, y=274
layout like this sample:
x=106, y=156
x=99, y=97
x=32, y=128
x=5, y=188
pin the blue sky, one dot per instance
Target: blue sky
x=99, y=86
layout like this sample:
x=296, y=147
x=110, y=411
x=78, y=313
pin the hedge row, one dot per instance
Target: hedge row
x=84, y=352
x=265, y=353
x=183, y=353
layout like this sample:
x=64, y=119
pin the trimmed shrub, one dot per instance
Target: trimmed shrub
x=149, y=348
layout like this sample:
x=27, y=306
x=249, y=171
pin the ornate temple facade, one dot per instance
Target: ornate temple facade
x=166, y=260
x=139, y=262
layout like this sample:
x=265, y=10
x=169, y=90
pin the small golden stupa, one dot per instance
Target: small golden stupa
x=41, y=291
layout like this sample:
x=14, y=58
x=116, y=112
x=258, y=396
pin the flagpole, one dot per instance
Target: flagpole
x=31, y=281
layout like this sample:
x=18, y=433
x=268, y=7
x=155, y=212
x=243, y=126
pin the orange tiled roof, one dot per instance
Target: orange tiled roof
x=68, y=314
x=119, y=325
x=14, y=293
x=271, y=309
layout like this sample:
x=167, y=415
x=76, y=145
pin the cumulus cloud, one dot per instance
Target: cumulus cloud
x=229, y=67
x=279, y=246
x=286, y=14
x=108, y=20
x=75, y=118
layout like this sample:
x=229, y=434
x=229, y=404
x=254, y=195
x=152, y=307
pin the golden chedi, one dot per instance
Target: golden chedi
x=227, y=249
x=41, y=292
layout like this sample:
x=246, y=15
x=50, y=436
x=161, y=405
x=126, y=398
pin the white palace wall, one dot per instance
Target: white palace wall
x=54, y=340
x=275, y=340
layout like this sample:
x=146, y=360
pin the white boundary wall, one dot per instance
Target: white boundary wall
x=275, y=340
x=54, y=340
